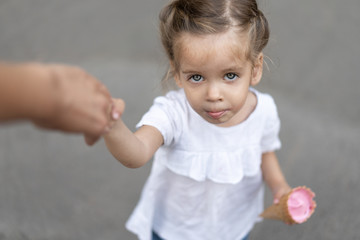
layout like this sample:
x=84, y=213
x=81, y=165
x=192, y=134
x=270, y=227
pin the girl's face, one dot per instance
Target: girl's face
x=216, y=75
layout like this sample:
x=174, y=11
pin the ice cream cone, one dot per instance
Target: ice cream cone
x=280, y=211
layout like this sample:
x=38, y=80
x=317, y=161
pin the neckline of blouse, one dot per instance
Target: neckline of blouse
x=231, y=128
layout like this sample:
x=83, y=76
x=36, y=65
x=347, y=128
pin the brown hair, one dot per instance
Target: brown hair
x=209, y=17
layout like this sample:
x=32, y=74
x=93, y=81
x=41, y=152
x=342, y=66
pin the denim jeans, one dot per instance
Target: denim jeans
x=156, y=237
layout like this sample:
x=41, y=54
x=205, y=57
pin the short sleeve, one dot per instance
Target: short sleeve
x=270, y=138
x=165, y=115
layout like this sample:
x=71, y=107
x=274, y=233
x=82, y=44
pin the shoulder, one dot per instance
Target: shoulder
x=174, y=102
x=266, y=102
x=167, y=114
x=264, y=98
x=172, y=96
x=176, y=96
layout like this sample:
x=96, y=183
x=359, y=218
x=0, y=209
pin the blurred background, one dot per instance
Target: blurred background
x=52, y=186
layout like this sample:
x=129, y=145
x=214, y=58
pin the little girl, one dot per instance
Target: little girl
x=214, y=138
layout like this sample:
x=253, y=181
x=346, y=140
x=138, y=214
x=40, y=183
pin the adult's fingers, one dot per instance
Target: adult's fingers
x=103, y=89
x=90, y=139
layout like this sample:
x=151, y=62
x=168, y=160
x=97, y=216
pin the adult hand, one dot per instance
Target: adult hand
x=81, y=103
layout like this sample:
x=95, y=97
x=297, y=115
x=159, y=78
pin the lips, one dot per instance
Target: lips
x=216, y=115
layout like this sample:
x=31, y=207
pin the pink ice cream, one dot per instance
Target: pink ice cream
x=300, y=204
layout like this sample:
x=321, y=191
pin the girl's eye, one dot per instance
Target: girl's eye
x=231, y=76
x=196, y=78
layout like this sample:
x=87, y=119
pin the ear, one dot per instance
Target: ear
x=176, y=75
x=178, y=80
x=257, y=70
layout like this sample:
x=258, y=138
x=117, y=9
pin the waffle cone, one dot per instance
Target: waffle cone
x=280, y=210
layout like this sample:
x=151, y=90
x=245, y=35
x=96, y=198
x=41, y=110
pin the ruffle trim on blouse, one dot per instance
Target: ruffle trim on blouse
x=220, y=167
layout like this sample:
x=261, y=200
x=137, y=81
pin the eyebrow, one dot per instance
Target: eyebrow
x=189, y=71
x=234, y=69
x=230, y=69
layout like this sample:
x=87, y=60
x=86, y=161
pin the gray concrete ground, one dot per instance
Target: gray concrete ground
x=54, y=187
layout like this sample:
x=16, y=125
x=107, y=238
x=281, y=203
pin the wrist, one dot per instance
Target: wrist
x=25, y=91
x=280, y=189
x=275, y=185
x=43, y=92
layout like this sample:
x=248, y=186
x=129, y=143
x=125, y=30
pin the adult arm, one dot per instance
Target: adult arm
x=54, y=96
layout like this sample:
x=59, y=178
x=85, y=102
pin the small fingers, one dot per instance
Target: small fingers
x=118, y=108
x=280, y=192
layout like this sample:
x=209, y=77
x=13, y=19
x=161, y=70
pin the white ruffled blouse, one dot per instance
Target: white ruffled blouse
x=206, y=181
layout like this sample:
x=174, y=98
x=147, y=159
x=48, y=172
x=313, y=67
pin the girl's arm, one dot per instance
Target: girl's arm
x=133, y=150
x=273, y=176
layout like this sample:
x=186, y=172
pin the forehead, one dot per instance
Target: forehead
x=199, y=49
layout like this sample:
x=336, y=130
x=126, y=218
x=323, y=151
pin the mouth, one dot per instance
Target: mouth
x=216, y=115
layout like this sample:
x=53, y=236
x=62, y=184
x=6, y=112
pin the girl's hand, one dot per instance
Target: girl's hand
x=116, y=110
x=114, y=113
x=279, y=191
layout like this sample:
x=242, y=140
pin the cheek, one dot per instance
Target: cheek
x=238, y=97
x=194, y=99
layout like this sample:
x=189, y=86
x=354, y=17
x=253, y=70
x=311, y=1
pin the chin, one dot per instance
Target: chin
x=215, y=121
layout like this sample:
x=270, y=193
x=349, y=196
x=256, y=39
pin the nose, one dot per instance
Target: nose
x=214, y=92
